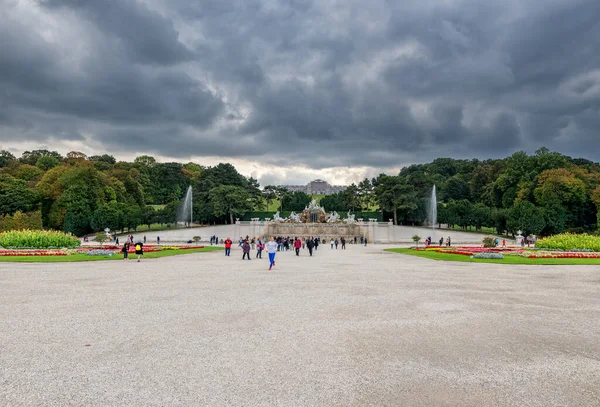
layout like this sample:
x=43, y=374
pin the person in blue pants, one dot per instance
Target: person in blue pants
x=271, y=248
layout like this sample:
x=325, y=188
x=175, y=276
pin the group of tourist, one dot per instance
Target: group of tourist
x=139, y=248
x=448, y=241
x=280, y=244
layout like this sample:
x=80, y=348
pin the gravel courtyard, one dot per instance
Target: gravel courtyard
x=343, y=328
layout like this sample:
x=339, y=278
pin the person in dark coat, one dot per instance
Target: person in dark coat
x=309, y=245
x=139, y=250
x=125, y=251
x=246, y=249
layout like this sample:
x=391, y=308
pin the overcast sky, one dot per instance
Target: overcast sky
x=292, y=90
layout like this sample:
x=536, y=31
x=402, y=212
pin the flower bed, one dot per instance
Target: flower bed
x=497, y=253
x=33, y=253
x=90, y=251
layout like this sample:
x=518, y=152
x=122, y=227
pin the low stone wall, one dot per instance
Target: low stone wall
x=376, y=232
x=323, y=230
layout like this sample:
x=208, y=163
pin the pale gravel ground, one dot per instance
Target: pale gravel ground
x=339, y=329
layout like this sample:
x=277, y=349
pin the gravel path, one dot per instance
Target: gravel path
x=360, y=327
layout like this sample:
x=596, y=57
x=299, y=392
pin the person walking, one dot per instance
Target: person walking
x=228, y=244
x=309, y=245
x=272, y=250
x=365, y=241
x=332, y=243
x=252, y=243
x=316, y=243
x=217, y=240
x=246, y=249
x=157, y=239
x=139, y=250
x=259, y=248
x=144, y=239
x=336, y=244
x=343, y=243
x=297, y=246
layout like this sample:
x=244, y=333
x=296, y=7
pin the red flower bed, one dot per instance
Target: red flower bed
x=32, y=253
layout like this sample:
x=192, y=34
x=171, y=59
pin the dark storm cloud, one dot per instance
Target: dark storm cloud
x=305, y=82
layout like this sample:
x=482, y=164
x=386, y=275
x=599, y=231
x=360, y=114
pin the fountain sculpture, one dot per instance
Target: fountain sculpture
x=315, y=221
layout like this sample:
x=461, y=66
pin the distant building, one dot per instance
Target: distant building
x=316, y=187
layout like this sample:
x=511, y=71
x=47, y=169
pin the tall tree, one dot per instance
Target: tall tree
x=394, y=195
x=526, y=217
x=229, y=200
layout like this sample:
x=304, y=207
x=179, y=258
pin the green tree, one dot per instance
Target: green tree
x=297, y=201
x=6, y=158
x=367, y=196
x=394, y=195
x=526, y=217
x=456, y=188
x=31, y=157
x=352, y=198
x=47, y=162
x=334, y=202
x=15, y=195
x=229, y=200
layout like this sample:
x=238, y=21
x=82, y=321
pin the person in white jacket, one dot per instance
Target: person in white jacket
x=271, y=248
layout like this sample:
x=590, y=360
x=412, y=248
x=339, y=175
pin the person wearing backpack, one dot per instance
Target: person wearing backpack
x=139, y=250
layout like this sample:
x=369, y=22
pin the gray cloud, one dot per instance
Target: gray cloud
x=305, y=82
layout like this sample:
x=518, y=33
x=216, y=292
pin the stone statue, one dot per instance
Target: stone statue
x=277, y=218
x=333, y=217
x=350, y=219
x=294, y=218
x=313, y=205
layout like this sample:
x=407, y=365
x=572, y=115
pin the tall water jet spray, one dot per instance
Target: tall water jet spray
x=432, y=215
x=186, y=211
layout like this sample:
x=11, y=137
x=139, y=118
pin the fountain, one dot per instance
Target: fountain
x=432, y=210
x=186, y=211
x=314, y=221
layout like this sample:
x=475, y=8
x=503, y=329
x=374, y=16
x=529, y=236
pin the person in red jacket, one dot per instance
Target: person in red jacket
x=228, y=243
x=297, y=246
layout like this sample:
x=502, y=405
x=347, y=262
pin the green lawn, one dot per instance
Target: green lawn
x=507, y=259
x=119, y=256
x=490, y=231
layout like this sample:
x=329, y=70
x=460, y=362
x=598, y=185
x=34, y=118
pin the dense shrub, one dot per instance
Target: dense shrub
x=37, y=239
x=570, y=242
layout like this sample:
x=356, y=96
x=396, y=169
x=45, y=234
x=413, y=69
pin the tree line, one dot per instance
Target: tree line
x=543, y=193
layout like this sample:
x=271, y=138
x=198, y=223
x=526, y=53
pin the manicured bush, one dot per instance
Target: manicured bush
x=495, y=256
x=37, y=239
x=570, y=242
x=489, y=242
x=99, y=253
